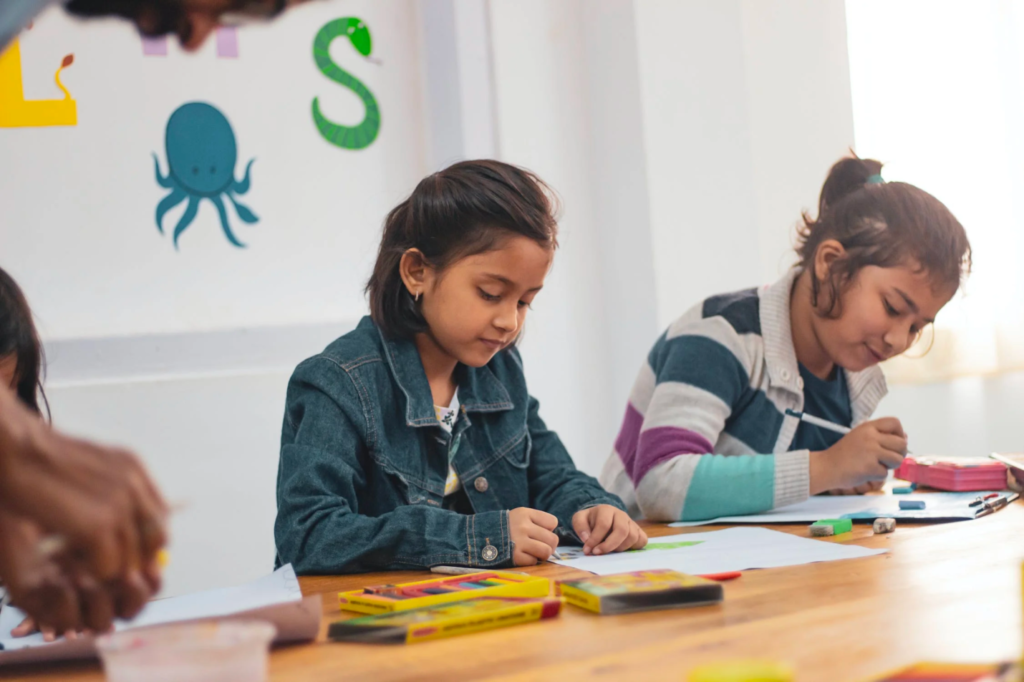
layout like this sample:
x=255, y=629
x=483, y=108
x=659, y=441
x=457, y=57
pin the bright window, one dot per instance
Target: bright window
x=938, y=97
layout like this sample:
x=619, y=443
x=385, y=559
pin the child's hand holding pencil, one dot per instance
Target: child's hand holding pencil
x=862, y=456
x=533, y=535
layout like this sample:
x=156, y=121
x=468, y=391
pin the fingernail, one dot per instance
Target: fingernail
x=584, y=535
x=597, y=551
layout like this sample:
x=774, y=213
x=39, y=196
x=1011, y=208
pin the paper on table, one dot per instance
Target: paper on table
x=276, y=598
x=720, y=551
x=940, y=507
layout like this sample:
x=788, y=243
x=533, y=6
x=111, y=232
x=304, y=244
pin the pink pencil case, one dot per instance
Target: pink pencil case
x=959, y=474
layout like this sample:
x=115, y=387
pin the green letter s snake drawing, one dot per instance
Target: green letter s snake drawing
x=346, y=137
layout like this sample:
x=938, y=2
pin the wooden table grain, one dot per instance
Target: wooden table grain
x=947, y=592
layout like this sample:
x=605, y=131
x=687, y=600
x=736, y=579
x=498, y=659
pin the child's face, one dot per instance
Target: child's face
x=477, y=305
x=883, y=311
x=9, y=370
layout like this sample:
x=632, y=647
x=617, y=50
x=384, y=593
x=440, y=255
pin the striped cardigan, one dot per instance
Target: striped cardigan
x=710, y=401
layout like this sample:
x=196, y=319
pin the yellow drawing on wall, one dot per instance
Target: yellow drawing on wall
x=18, y=112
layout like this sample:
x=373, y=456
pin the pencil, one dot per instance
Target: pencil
x=818, y=421
x=823, y=423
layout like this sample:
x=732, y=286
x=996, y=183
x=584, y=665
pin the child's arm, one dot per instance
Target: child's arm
x=587, y=514
x=319, y=528
x=556, y=485
x=698, y=381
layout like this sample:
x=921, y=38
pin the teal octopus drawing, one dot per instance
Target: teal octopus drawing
x=201, y=157
x=346, y=137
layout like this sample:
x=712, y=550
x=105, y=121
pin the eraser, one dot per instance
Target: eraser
x=912, y=504
x=906, y=490
x=838, y=525
x=822, y=531
x=884, y=525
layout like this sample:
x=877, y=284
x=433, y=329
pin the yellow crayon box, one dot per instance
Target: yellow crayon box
x=416, y=595
x=444, y=620
x=640, y=591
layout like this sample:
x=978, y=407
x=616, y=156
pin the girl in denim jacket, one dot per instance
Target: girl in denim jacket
x=412, y=441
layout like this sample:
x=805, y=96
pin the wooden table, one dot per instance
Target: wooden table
x=944, y=592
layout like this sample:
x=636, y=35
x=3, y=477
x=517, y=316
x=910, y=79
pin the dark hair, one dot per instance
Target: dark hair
x=18, y=337
x=880, y=223
x=468, y=208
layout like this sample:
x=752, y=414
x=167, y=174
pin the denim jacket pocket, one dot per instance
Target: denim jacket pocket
x=518, y=454
x=514, y=450
x=409, y=473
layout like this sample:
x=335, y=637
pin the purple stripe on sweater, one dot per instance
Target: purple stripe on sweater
x=663, y=443
x=629, y=434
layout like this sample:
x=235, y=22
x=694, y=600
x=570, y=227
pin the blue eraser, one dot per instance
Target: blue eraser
x=905, y=490
x=911, y=504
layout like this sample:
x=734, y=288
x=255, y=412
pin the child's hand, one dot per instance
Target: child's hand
x=865, y=454
x=1015, y=479
x=605, y=529
x=532, y=533
x=869, y=487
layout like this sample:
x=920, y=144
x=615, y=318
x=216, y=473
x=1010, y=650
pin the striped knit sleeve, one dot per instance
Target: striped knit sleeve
x=697, y=377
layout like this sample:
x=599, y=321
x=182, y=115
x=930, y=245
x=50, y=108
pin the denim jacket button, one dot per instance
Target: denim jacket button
x=490, y=552
x=481, y=484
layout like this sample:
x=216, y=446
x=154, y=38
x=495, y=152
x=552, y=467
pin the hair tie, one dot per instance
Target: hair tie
x=875, y=179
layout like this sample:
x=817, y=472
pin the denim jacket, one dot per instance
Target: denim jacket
x=364, y=461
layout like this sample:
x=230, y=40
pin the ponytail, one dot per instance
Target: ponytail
x=885, y=224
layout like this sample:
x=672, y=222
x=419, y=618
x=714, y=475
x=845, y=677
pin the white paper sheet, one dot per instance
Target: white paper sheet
x=276, y=598
x=720, y=551
x=940, y=507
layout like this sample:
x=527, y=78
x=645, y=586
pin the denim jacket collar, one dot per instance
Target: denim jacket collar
x=479, y=389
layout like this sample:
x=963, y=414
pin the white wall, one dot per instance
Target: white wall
x=211, y=442
x=204, y=411
x=746, y=105
x=567, y=108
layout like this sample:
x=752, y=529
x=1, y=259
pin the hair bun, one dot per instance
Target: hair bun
x=844, y=178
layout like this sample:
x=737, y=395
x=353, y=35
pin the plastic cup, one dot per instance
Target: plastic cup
x=225, y=651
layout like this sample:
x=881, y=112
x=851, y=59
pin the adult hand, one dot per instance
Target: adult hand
x=99, y=501
x=57, y=598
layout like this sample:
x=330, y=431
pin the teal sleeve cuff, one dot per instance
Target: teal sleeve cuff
x=730, y=486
